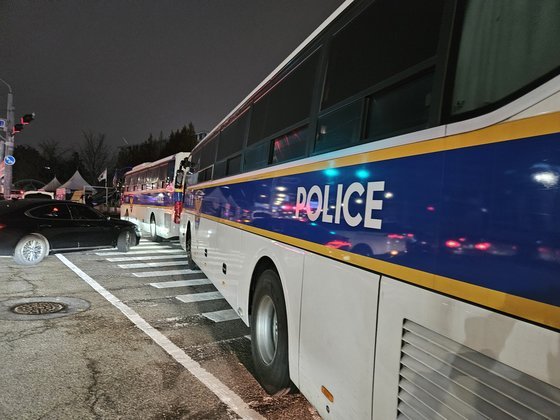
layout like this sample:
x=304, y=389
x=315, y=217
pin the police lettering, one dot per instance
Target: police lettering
x=355, y=191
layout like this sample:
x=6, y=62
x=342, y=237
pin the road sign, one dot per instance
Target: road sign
x=2, y=123
x=9, y=160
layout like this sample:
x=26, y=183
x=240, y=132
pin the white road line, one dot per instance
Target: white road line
x=143, y=247
x=161, y=251
x=154, y=264
x=165, y=273
x=221, y=316
x=199, y=297
x=147, y=241
x=148, y=258
x=226, y=395
x=180, y=283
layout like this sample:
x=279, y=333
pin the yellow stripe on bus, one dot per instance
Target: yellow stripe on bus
x=531, y=310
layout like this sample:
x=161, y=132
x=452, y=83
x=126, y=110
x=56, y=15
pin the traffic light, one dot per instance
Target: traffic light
x=17, y=128
x=26, y=119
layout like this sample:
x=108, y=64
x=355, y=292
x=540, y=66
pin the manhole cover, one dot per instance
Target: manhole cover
x=38, y=308
x=41, y=308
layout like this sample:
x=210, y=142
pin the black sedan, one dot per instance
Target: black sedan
x=31, y=229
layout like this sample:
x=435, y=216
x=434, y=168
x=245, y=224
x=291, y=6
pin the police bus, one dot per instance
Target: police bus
x=152, y=196
x=383, y=211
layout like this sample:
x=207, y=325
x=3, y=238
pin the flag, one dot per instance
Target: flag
x=103, y=176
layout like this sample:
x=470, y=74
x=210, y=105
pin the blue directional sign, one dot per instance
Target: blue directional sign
x=2, y=123
x=9, y=160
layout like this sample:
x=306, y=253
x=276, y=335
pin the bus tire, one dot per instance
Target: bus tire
x=153, y=230
x=124, y=241
x=269, y=334
x=188, y=251
x=31, y=250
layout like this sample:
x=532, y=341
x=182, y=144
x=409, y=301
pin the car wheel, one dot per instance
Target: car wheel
x=363, y=249
x=269, y=334
x=123, y=242
x=153, y=230
x=31, y=250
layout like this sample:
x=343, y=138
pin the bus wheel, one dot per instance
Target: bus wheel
x=269, y=334
x=153, y=230
x=188, y=251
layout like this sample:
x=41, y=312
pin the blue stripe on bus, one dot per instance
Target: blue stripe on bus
x=487, y=215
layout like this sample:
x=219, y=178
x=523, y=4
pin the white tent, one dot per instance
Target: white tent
x=51, y=186
x=76, y=182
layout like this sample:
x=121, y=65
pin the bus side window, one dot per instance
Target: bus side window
x=286, y=105
x=502, y=50
x=386, y=40
x=256, y=156
x=161, y=176
x=339, y=128
x=290, y=146
x=400, y=109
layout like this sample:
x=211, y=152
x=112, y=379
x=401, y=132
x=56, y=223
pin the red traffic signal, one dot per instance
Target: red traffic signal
x=27, y=118
x=17, y=128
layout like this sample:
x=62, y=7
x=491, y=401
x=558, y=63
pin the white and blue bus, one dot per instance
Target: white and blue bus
x=152, y=196
x=383, y=211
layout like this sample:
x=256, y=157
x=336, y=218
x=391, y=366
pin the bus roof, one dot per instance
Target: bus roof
x=157, y=162
x=277, y=70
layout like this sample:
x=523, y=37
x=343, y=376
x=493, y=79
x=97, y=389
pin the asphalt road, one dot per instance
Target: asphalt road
x=130, y=342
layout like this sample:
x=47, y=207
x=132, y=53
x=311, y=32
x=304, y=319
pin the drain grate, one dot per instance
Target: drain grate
x=38, y=308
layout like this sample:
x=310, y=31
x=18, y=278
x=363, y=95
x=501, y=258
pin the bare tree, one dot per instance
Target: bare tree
x=95, y=155
x=52, y=151
x=55, y=162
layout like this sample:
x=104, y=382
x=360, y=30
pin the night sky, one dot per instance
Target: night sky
x=128, y=68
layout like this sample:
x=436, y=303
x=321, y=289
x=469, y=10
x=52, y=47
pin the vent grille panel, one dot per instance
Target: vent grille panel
x=442, y=379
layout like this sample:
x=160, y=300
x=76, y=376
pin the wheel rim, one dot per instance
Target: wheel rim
x=32, y=250
x=266, y=329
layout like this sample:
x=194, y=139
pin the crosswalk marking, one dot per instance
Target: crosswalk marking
x=180, y=283
x=165, y=273
x=199, y=297
x=156, y=251
x=148, y=257
x=221, y=316
x=154, y=264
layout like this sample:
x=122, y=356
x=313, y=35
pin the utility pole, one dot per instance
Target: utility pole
x=8, y=147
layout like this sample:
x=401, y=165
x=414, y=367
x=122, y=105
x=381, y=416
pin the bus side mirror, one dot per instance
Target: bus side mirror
x=179, y=177
x=187, y=164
